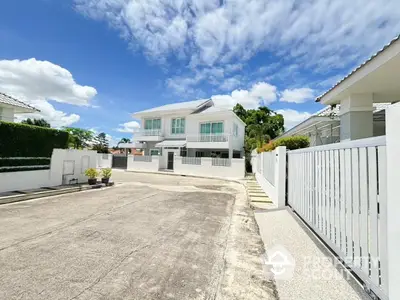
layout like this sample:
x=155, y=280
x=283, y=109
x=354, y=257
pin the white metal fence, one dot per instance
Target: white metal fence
x=222, y=162
x=340, y=190
x=268, y=161
x=191, y=160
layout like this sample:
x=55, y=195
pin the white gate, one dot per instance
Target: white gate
x=340, y=190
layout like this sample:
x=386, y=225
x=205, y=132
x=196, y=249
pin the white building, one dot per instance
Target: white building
x=189, y=129
x=9, y=107
x=323, y=127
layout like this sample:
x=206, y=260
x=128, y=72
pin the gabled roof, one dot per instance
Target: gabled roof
x=359, y=67
x=19, y=105
x=190, y=105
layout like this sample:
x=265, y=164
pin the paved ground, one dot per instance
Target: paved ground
x=149, y=237
x=317, y=274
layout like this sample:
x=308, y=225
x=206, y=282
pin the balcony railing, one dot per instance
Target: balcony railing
x=149, y=132
x=208, y=138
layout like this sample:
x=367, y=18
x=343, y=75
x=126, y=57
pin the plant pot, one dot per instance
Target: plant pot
x=105, y=180
x=92, y=181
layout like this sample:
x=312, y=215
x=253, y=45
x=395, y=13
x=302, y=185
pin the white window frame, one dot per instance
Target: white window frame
x=211, y=122
x=172, y=127
x=154, y=149
x=235, y=129
x=152, y=122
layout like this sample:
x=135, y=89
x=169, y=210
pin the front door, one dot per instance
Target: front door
x=170, y=165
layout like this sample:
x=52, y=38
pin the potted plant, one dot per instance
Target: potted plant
x=92, y=174
x=105, y=175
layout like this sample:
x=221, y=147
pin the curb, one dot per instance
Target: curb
x=37, y=195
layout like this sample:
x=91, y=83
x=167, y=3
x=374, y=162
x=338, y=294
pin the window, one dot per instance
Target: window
x=151, y=124
x=183, y=152
x=154, y=152
x=235, y=129
x=199, y=154
x=178, y=126
x=212, y=128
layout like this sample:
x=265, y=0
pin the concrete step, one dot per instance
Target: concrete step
x=264, y=199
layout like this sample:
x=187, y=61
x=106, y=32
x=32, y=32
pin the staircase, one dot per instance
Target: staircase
x=255, y=192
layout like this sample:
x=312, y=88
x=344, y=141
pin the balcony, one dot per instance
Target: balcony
x=149, y=135
x=208, y=141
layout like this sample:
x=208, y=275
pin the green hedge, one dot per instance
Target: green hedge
x=15, y=162
x=11, y=169
x=291, y=143
x=21, y=140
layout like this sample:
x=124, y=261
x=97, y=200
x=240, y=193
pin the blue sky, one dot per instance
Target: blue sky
x=90, y=63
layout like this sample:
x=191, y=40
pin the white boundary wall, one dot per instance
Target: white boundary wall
x=236, y=170
x=340, y=190
x=104, y=160
x=14, y=181
x=151, y=165
x=270, y=170
x=65, y=165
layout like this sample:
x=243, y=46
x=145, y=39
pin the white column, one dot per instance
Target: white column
x=7, y=114
x=393, y=203
x=356, y=117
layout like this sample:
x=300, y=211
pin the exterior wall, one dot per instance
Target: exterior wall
x=71, y=164
x=192, y=127
x=23, y=180
x=235, y=171
x=151, y=166
x=104, y=160
x=6, y=114
x=66, y=164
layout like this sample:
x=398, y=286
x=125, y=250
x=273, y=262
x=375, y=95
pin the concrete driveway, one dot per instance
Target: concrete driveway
x=149, y=237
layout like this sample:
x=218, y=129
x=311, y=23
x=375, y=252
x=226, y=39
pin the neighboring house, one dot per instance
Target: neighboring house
x=10, y=106
x=374, y=81
x=189, y=129
x=323, y=127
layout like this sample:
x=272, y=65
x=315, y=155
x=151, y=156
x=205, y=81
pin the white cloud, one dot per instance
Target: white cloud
x=293, y=117
x=261, y=93
x=209, y=32
x=297, y=95
x=229, y=84
x=129, y=127
x=36, y=82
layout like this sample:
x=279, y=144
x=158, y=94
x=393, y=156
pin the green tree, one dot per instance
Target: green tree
x=123, y=141
x=36, y=122
x=262, y=125
x=79, y=138
x=100, y=143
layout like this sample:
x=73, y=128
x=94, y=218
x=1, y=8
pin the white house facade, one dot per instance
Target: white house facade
x=189, y=129
x=10, y=106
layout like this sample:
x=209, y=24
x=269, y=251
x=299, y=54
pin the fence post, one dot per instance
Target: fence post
x=393, y=203
x=280, y=175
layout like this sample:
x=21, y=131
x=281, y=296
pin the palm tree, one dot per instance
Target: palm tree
x=123, y=141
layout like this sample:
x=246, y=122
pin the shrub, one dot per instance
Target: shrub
x=21, y=140
x=106, y=173
x=291, y=143
x=91, y=173
x=14, y=169
x=16, y=162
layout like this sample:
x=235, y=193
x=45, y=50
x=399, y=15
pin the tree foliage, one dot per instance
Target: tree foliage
x=123, y=141
x=37, y=122
x=262, y=125
x=79, y=138
x=100, y=143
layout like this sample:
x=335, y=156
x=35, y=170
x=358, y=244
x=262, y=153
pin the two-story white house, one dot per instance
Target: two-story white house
x=189, y=129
